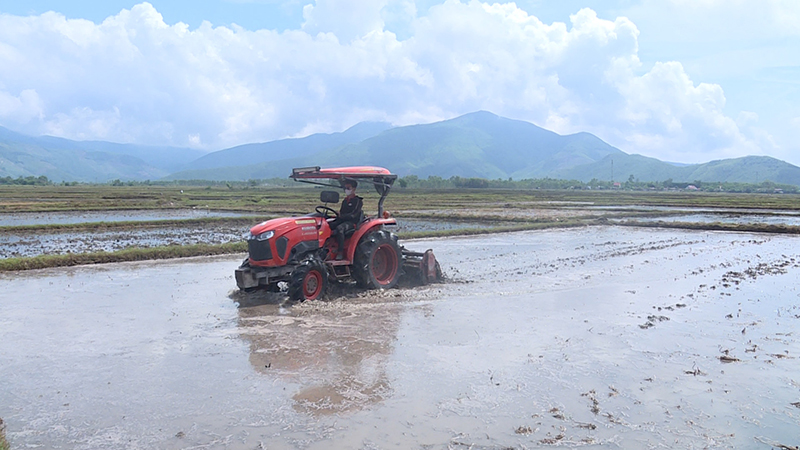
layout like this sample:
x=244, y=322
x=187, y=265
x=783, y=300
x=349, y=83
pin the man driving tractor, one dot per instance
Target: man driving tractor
x=350, y=215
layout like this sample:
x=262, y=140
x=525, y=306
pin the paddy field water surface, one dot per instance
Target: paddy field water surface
x=598, y=337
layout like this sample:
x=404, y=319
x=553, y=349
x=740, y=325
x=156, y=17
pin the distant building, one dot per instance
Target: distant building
x=691, y=187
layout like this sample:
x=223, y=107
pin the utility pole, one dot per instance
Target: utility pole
x=612, y=171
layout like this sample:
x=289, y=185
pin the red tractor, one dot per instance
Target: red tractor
x=297, y=254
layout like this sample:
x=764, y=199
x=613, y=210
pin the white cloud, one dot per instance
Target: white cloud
x=674, y=119
x=22, y=109
x=133, y=78
x=347, y=19
x=720, y=20
x=86, y=124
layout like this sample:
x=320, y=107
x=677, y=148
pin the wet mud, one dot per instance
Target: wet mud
x=601, y=337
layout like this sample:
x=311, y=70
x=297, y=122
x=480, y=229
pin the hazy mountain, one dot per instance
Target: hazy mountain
x=94, y=161
x=619, y=167
x=248, y=154
x=20, y=159
x=479, y=144
x=748, y=169
x=170, y=159
x=484, y=145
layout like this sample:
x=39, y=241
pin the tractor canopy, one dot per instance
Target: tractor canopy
x=375, y=174
x=381, y=178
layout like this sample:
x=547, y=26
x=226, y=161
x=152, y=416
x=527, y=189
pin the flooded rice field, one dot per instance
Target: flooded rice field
x=738, y=218
x=598, y=337
x=414, y=225
x=692, y=209
x=33, y=243
x=73, y=217
x=27, y=244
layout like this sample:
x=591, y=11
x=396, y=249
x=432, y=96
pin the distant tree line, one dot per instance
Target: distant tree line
x=631, y=184
x=456, y=182
x=764, y=187
x=27, y=181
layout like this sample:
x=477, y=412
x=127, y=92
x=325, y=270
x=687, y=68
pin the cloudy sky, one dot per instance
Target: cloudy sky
x=679, y=80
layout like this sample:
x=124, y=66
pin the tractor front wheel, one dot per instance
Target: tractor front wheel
x=377, y=262
x=308, y=281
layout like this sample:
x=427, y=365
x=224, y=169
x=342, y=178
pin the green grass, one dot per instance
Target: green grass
x=4, y=445
x=132, y=254
x=134, y=224
x=301, y=199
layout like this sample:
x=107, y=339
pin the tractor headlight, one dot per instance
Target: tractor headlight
x=265, y=235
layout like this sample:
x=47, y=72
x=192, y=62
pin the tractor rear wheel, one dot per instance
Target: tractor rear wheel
x=308, y=281
x=377, y=263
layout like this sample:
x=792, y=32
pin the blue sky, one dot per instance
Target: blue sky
x=680, y=80
x=256, y=14
x=253, y=15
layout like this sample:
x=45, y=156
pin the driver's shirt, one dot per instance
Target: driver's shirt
x=351, y=208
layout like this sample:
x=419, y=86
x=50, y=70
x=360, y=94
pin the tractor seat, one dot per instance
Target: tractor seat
x=352, y=230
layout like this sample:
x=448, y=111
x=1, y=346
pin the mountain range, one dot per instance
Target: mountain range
x=478, y=144
x=90, y=161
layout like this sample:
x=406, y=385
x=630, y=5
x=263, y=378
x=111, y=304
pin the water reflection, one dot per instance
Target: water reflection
x=335, y=352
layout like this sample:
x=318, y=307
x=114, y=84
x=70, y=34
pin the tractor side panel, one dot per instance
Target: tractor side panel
x=302, y=248
x=324, y=231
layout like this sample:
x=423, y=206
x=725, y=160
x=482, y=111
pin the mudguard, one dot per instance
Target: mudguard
x=365, y=227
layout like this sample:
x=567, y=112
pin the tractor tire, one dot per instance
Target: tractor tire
x=377, y=263
x=309, y=281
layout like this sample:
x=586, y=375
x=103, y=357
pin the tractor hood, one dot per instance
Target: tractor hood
x=279, y=227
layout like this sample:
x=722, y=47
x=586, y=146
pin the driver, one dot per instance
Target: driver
x=349, y=215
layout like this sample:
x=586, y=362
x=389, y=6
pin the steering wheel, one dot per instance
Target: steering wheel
x=324, y=210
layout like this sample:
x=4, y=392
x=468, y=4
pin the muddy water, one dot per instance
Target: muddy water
x=601, y=337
